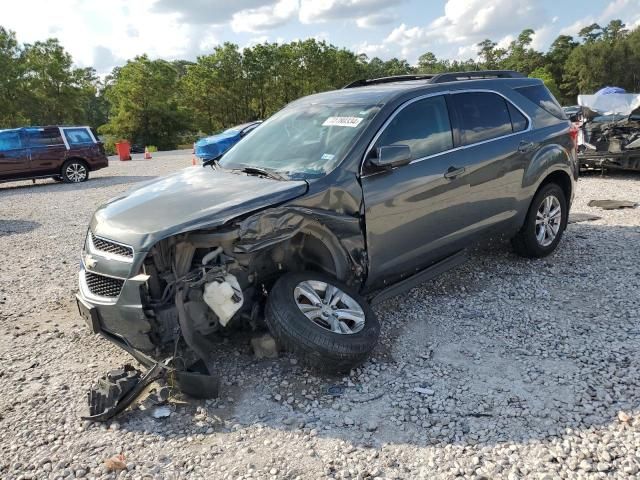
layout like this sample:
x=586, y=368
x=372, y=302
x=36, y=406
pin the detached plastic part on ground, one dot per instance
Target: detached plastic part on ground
x=119, y=388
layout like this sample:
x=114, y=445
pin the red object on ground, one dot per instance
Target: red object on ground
x=124, y=150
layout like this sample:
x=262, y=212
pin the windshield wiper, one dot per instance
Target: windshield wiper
x=213, y=161
x=264, y=172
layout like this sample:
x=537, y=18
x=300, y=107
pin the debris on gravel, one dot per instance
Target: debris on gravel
x=503, y=368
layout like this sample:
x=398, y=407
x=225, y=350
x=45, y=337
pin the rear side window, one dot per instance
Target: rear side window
x=518, y=120
x=541, y=96
x=422, y=125
x=77, y=136
x=44, y=137
x=482, y=116
x=9, y=141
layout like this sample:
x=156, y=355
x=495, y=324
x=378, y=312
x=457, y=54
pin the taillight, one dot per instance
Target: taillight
x=573, y=133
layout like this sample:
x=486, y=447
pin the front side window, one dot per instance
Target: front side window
x=422, y=125
x=302, y=140
x=77, y=136
x=9, y=141
x=482, y=116
x=43, y=137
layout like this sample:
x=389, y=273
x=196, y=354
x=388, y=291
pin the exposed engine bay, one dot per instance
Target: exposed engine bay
x=609, y=131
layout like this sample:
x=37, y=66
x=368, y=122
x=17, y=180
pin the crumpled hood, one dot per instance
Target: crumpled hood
x=211, y=147
x=193, y=198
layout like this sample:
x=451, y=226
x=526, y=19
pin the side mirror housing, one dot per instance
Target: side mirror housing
x=391, y=156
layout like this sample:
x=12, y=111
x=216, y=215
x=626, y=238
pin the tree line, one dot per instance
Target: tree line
x=168, y=103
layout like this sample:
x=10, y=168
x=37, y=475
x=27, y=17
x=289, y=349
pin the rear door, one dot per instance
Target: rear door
x=14, y=157
x=415, y=214
x=494, y=152
x=48, y=150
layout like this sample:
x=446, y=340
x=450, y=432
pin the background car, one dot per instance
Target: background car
x=215, y=145
x=65, y=154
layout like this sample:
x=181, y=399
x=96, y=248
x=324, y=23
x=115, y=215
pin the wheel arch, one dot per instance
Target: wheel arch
x=77, y=159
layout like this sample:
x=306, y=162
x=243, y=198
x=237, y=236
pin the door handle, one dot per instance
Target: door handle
x=524, y=146
x=453, y=172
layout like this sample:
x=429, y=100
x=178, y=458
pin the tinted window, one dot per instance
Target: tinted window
x=482, y=116
x=77, y=136
x=423, y=125
x=541, y=96
x=518, y=120
x=43, y=137
x=9, y=141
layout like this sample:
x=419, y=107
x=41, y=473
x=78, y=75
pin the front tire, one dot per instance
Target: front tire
x=545, y=223
x=328, y=325
x=75, y=171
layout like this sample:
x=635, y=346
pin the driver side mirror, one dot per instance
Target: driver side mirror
x=391, y=156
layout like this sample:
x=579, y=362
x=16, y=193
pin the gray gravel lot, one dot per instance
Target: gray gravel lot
x=503, y=368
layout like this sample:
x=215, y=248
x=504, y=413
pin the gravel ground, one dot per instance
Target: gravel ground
x=503, y=368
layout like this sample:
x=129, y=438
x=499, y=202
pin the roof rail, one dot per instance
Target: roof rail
x=394, y=78
x=477, y=74
x=438, y=77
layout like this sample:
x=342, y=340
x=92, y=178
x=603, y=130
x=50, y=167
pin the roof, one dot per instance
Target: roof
x=382, y=90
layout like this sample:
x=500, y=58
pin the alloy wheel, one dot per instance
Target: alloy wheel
x=76, y=172
x=548, y=220
x=329, y=307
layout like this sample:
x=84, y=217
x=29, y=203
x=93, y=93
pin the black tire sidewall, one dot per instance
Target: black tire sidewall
x=66, y=164
x=318, y=347
x=529, y=230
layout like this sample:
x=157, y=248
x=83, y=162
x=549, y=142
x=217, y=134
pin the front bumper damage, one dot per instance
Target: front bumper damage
x=168, y=300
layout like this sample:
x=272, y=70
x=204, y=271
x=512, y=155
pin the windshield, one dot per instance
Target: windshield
x=301, y=141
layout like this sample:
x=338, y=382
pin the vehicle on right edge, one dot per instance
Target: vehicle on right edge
x=340, y=200
x=609, y=130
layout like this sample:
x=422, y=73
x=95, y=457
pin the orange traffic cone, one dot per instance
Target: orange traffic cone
x=147, y=154
x=193, y=160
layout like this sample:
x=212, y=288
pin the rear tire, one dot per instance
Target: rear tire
x=338, y=331
x=544, y=224
x=74, y=171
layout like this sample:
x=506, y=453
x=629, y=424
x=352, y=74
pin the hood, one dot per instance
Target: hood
x=211, y=147
x=190, y=199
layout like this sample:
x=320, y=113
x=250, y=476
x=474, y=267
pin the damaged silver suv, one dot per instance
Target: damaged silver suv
x=340, y=200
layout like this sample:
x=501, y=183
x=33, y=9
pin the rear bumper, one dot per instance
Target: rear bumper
x=97, y=164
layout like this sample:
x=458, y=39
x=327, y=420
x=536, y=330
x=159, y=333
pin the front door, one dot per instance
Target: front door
x=14, y=157
x=48, y=150
x=415, y=214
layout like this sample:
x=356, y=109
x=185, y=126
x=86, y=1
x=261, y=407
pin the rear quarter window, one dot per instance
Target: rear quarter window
x=542, y=97
x=78, y=136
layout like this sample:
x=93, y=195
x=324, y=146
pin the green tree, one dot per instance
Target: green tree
x=143, y=103
x=58, y=93
x=11, y=80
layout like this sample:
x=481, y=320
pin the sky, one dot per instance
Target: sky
x=104, y=34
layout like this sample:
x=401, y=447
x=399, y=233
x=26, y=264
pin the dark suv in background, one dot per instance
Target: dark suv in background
x=340, y=200
x=65, y=154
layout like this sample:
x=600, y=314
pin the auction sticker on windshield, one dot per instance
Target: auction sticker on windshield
x=342, y=122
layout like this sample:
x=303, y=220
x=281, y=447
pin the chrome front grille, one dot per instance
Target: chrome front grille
x=108, y=246
x=103, y=286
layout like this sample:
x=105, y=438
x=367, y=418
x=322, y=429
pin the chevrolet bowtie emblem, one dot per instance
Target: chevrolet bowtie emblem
x=90, y=262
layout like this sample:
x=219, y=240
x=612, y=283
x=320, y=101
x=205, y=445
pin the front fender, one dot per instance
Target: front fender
x=341, y=234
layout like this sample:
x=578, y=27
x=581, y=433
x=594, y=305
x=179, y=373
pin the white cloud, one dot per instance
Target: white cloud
x=626, y=10
x=464, y=24
x=377, y=19
x=318, y=11
x=264, y=18
x=95, y=35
